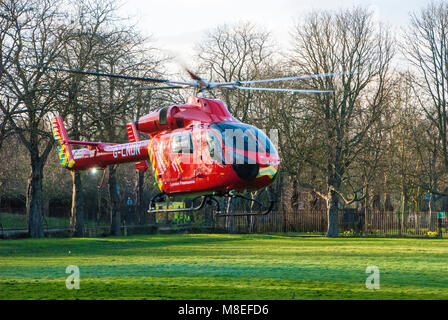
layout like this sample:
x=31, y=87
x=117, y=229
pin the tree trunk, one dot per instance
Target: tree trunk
x=231, y=220
x=332, y=214
x=365, y=213
x=444, y=202
x=431, y=210
x=434, y=186
x=77, y=212
x=404, y=210
x=139, y=213
x=332, y=198
x=34, y=200
x=114, y=204
x=287, y=193
x=388, y=203
x=251, y=219
x=98, y=210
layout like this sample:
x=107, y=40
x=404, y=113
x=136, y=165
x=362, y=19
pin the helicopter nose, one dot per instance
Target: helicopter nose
x=246, y=171
x=270, y=171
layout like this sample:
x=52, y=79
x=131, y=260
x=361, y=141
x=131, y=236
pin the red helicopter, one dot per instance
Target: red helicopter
x=197, y=149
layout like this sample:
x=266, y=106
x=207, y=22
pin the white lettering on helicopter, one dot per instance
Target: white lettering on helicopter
x=82, y=153
x=125, y=150
x=182, y=183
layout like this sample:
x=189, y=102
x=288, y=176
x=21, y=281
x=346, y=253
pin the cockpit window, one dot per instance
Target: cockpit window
x=264, y=141
x=243, y=137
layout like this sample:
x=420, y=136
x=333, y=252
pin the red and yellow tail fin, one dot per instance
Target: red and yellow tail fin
x=61, y=137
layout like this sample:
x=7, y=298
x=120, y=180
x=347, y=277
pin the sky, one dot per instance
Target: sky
x=176, y=25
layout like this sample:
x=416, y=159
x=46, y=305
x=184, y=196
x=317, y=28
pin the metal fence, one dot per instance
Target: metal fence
x=350, y=223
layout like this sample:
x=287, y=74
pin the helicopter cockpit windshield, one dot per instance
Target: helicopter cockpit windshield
x=242, y=143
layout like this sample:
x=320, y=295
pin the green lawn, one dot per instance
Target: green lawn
x=209, y=266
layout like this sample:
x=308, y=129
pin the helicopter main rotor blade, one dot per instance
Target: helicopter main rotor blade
x=321, y=75
x=202, y=84
x=121, y=76
x=159, y=88
x=277, y=89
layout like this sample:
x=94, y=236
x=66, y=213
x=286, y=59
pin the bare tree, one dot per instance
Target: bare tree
x=232, y=53
x=112, y=102
x=404, y=166
x=341, y=122
x=426, y=48
x=80, y=51
x=37, y=34
x=6, y=28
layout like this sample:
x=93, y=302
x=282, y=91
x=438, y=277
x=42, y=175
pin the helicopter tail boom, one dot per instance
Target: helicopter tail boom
x=98, y=154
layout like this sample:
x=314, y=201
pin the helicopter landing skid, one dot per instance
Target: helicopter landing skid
x=265, y=210
x=209, y=199
x=205, y=200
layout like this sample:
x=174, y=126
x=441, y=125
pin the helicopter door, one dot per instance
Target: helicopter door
x=213, y=147
x=202, y=157
x=181, y=156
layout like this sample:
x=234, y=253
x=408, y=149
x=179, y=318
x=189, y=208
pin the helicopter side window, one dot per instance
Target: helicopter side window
x=181, y=143
x=214, y=147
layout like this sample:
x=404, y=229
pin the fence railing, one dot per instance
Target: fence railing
x=350, y=223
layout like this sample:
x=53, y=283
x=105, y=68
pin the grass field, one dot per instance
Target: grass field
x=210, y=266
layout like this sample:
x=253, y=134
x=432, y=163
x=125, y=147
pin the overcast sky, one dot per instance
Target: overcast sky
x=177, y=24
